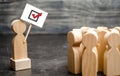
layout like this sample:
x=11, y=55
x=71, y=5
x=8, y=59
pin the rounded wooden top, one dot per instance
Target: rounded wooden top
x=102, y=28
x=18, y=26
x=113, y=38
x=74, y=37
x=118, y=28
x=90, y=39
x=84, y=29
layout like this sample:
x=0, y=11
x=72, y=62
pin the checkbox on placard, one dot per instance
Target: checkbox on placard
x=34, y=16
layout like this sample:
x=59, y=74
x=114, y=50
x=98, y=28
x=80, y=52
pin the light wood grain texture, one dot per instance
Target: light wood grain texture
x=74, y=52
x=83, y=30
x=118, y=28
x=102, y=28
x=19, y=45
x=74, y=37
x=90, y=56
x=20, y=64
x=112, y=55
x=101, y=46
x=76, y=49
x=74, y=60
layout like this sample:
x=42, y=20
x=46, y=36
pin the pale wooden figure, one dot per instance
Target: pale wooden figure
x=74, y=52
x=83, y=30
x=118, y=28
x=90, y=56
x=19, y=60
x=102, y=28
x=76, y=47
x=112, y=55
x=74, y=38
x=101, y=46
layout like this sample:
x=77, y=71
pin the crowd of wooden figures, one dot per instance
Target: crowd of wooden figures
x=93, y=50
x=90, y=50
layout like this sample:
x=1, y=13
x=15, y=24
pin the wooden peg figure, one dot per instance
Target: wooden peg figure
x=118, y=28
x=74, y=52
x=90, y=56
x=112, y=55
x=101, y=46
x=19, y=60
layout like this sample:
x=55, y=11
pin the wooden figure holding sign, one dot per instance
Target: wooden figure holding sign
x=32, y=15
x=19, y=60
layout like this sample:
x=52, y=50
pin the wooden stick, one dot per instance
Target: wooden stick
x=28, y=32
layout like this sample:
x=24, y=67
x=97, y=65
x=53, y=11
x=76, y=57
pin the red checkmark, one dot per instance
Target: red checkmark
x=37, y=16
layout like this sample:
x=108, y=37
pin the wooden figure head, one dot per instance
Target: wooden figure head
x=118, y=28
x=90, y=39
x=84, y=29
x=113, y=39
x=18, y=26
x=102, y=28
x=74, y=37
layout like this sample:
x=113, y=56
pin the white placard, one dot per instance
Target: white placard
x=34, y=15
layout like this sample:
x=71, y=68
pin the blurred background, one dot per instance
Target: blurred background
x=64, y=15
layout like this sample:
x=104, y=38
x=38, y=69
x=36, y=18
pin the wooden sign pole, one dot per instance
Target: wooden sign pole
x=30, y=26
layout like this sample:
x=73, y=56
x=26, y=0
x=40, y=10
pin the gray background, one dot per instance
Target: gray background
x=64, y=15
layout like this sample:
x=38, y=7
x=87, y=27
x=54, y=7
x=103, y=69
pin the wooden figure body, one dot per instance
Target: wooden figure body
x=90, y=56
x=112, y=55
x=19, y=43
x=101, y=46
x=118, y=28
x=19, y=60
x=74, y=60
x=74, y=52
x=83, y=30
